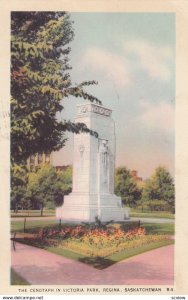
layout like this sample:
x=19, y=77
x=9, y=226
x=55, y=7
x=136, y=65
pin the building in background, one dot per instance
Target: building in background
x=40, y=159
x=135, y=176
x=61, y=168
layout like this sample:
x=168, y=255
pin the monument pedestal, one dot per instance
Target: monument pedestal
x=93, y=171
x=80, y=207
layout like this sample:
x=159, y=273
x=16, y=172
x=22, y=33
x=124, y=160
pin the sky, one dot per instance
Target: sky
x=132, y=57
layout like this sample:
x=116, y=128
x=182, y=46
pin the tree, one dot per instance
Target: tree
x=18, y=183
x=40, y=80
x=47, y=187
x=160, y=187
x=64, y=180
x=126, y=187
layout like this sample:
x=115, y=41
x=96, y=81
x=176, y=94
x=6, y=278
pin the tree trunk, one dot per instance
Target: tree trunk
x=41, y=211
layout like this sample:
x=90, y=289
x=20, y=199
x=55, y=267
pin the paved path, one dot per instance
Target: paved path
x=53, y=218
x=38, y=266
x=152, y=220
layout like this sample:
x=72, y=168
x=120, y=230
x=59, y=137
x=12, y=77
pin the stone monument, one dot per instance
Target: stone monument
x=93, y=171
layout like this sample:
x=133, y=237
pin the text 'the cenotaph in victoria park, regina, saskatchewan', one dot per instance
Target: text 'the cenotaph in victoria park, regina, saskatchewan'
x=93, y=171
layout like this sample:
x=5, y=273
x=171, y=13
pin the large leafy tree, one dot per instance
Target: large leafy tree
x=40, y=80
x=160, y=188
x=126, y=187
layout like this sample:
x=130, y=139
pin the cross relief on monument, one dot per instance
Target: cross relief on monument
x=93, y=170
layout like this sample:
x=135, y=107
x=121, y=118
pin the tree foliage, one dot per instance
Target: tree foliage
x=126, y=187
x=64, y=177
x=160, y=187
x=19, y=177
x=47, y=187
x=40, y=80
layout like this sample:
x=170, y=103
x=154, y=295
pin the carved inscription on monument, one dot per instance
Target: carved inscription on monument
x=94, y=108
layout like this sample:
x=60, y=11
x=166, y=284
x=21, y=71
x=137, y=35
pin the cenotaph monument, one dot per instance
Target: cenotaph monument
x=93, y=171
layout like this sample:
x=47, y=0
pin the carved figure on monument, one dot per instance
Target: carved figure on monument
x=103, y=165
x=81, y=150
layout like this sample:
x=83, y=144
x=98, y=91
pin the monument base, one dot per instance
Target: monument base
x=82, y=207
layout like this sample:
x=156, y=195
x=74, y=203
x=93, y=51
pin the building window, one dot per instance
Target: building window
x=39, y=158
x=32, y=160
x=47, y=158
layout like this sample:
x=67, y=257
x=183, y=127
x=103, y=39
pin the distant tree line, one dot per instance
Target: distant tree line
x=155, y=194
x=45, y=188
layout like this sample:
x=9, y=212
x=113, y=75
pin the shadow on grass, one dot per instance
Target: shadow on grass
x=38, y=243
x=17, y=279
x=130, y=225
x=99, y=263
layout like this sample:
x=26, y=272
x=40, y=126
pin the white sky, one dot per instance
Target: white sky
x=132, y=56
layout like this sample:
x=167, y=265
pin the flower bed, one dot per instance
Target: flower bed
x=93, y=234
x=106, y=249
x=96, y=241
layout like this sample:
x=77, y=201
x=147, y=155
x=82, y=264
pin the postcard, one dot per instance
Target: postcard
x=93, y=128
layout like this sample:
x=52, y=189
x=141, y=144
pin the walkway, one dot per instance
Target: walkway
x=38, y=266
x=153, y=220
x=53, y=218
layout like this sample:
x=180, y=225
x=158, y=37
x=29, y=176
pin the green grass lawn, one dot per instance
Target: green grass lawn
x=17, y=279
x=152, y=228
x=18, y=226
x=139, y=214
x=32, y=213
x=160, y=228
